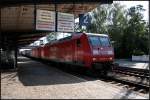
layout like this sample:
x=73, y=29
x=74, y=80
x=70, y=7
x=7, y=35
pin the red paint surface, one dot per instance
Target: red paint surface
x=68, y=51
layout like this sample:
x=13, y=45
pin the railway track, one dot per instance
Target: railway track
x=141, y=75
x=137, y=85
x=135, y=73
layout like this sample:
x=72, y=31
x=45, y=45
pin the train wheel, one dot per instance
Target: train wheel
x=92, y=72
x=103, y=73
x=72, y=68
x=66, y=66
x=81, y=70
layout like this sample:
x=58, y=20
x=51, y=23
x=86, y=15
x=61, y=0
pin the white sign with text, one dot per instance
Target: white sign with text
x=65, y=22
x=45, y=20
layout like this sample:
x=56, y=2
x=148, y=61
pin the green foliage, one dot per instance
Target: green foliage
x=81, y=30
x=51, y=36
x=134, y=34
x=99, y=16
x=138, y=52
x=125, y=26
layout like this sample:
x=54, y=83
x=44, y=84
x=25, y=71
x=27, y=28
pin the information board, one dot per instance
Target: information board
x=65, y=22
x=45, y=20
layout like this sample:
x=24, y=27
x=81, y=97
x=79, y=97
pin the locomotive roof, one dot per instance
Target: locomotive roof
x=76, y=36
x=95, y=34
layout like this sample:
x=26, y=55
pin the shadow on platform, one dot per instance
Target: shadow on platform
x=33, y=73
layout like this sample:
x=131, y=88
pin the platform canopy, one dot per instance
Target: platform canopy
x=10, y=2
x=18, y=16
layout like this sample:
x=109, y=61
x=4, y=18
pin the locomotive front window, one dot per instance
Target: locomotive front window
x=99, y=41
x=94, y=41
x=104, y=41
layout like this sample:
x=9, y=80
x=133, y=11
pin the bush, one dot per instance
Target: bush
x=138, y=52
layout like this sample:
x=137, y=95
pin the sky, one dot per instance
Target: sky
x=129, y=4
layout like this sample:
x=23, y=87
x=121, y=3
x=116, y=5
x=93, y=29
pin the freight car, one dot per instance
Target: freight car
x=91, y=51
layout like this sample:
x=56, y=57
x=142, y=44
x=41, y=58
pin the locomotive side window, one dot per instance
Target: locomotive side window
x=78, y=43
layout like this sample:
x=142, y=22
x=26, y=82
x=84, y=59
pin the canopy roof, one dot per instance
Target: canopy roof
x=28, y=35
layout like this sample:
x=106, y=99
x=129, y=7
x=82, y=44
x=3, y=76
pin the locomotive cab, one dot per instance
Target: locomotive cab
x=101, y=50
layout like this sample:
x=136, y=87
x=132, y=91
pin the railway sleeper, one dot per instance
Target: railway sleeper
x=133, y=83
x=130, y=69
x=132, y=74
x=146, y=74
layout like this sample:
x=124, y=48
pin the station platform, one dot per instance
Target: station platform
x=35, y=80
x=132, y=64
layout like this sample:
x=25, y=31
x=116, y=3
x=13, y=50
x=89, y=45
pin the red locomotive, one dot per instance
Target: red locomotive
x=92, y=51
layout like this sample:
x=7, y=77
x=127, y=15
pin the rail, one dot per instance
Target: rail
x=140, y=73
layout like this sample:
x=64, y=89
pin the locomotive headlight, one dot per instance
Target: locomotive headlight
x=94, y=59
x=110, y=58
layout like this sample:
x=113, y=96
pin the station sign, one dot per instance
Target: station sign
x=45, y=20
x=85, y=20
x=65, y=22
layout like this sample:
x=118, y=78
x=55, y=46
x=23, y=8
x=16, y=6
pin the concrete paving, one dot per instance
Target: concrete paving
x=132, y=64
x=35, y=80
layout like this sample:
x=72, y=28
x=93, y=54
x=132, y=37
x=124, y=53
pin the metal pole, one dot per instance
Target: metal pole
x=55, y=20
x=15, y=54
x=55, y=17
x=35, y=15
x=74, y=14
x=16, y=49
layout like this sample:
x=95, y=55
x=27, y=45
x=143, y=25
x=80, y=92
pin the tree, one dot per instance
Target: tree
x=51, y=36
x=135, y=35
x=99, y=19
x=125, y=26
x=118, y=23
